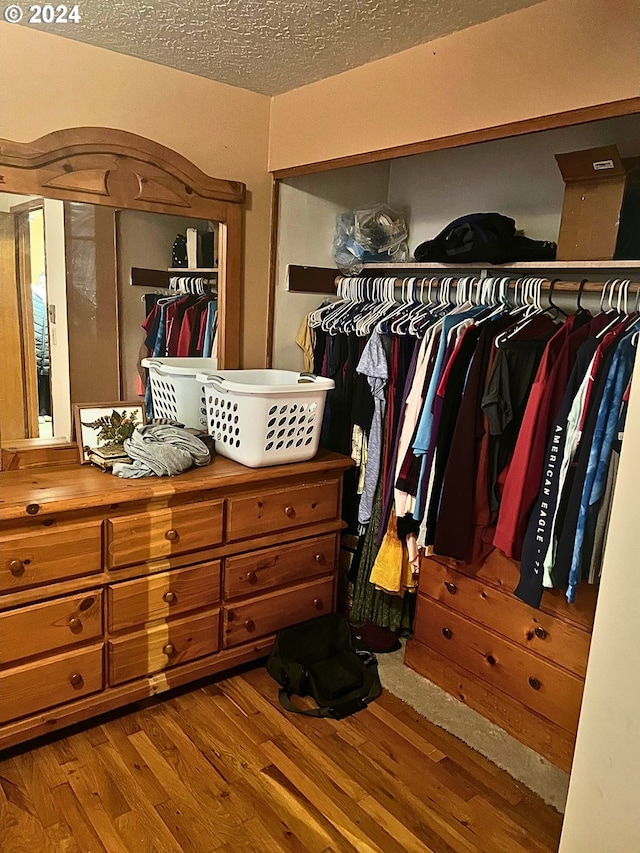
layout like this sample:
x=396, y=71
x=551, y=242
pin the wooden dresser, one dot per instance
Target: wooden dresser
x=520, y=667
x=114, y=590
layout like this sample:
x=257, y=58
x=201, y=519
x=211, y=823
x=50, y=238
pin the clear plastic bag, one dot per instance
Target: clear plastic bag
x=377, y=233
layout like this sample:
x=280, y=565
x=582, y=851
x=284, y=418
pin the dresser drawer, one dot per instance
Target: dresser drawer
x=162, y=596
x=260, y=571
x=42, y=684
x=163, y=646
x=44, y=628
x=281, y=509
x=47, y=554
x=560, y=642
x=163, y=532
x=269, y=613
x=550, y=691
x=499, y=571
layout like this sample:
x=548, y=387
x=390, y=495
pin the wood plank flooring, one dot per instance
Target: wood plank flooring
x=223, y=768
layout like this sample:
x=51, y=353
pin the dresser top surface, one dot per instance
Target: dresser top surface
x=36, y=491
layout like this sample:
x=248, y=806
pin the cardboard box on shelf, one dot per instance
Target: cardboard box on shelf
x=601, y=207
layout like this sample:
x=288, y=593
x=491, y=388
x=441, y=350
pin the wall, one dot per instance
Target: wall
x=307, y=214
x=603, y=806
x=518, y=177
x=50, y=83
x=554, y=56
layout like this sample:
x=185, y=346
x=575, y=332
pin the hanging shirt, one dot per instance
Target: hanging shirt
x=373, y=365
x=455, y=524
x=600, y=450
x=422, y=440
x=524, y=475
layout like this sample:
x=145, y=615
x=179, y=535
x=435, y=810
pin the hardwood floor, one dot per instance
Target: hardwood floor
x=224, y=768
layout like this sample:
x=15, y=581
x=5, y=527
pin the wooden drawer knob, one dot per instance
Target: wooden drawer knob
x=76, y=679
x=540, y=633
x=252, y=577
x=289, y=511
x=317, y=603
x=249, y=624
x=447, y=633
x=75, y=624
x=171, y=535
x=319, y=558
x=169, y=597
x=169, y=649
x=533, y=682
x=16, y=567
x=451, y=587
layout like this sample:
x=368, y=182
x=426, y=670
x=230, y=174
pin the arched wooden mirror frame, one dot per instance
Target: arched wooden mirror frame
x=105, y=166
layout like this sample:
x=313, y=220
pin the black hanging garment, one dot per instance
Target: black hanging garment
x=318, y=658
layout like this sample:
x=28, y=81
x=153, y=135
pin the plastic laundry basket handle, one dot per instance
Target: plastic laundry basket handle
x=307, y=377
x=213, y=378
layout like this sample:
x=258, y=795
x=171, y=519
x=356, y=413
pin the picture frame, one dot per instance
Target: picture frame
x=99, y=425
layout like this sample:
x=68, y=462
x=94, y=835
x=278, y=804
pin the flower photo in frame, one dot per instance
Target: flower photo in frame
x=104, y=426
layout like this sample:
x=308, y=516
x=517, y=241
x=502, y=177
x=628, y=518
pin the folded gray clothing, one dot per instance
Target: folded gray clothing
x=163, y=450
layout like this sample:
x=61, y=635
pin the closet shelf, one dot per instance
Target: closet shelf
x=192, y=270
x=520, y=265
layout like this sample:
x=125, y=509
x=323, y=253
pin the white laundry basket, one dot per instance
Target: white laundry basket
x=265, y=417
x=175, y=391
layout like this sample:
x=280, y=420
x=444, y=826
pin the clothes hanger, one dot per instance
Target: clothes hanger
x=552, y=304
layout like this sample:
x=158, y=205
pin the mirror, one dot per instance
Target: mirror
x=80, y=209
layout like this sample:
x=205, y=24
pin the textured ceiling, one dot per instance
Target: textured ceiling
x=271, y=46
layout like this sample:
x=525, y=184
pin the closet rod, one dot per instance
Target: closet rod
x=586, y=286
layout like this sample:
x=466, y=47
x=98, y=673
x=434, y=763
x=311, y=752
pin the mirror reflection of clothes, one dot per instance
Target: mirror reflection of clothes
x=43, y=362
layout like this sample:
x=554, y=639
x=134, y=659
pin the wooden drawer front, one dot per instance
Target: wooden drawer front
x=163, y=646
x=270, y=613
x=42, y=684
x=550, y=691
x=260, y=571
x=499, y=571
x=162, y=596
x=46, y=554
x=163, y=532
x=44, y=628
x=560, y=642
x=283, y=509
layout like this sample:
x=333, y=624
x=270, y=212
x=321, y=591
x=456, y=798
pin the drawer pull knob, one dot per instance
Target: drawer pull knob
x=533, y=682
x=289, y=511
x=252, y=577
x=75, y=624
x=249, y=624
x=16, y=567
x=317, y=603
x=447, y=633
x=169, y=597
x=76, y=679
x=319, y=558
x=491, y=660
x=451, y=587
x=169, y=650
x=171, y=535
x=540, y=633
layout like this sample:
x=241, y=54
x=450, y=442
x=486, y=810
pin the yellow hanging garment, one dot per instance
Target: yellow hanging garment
x=391, y=571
